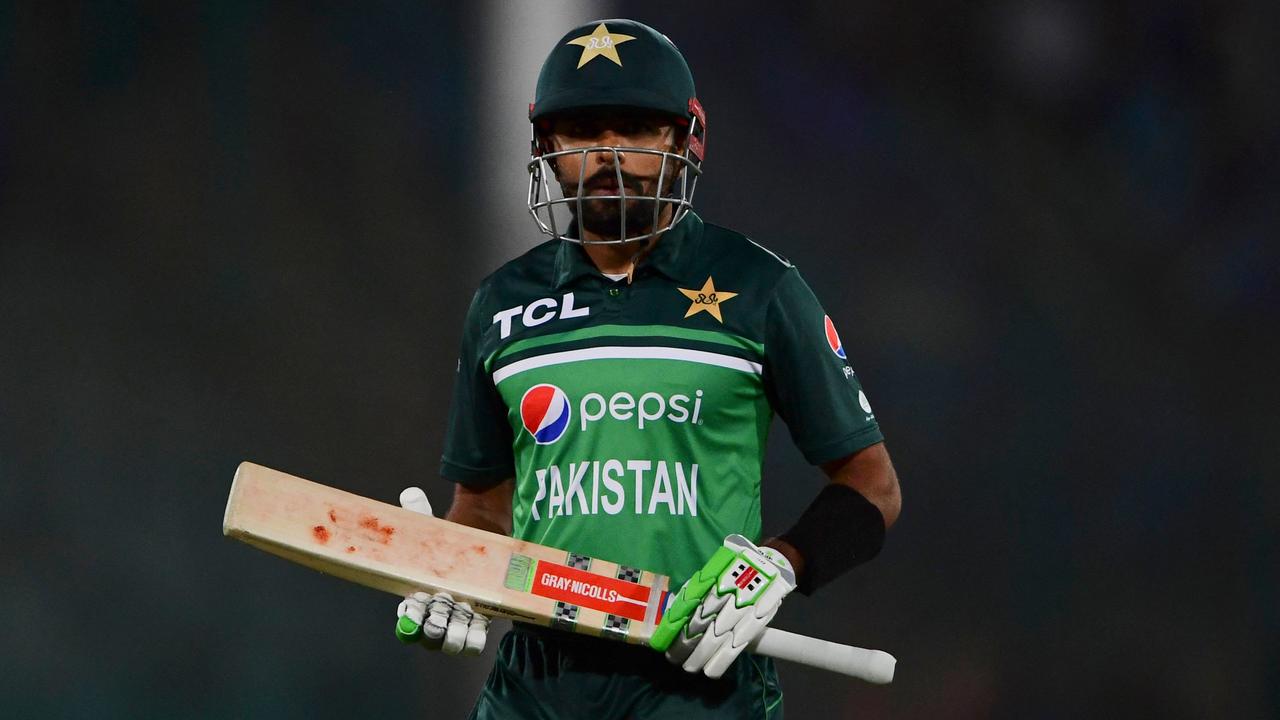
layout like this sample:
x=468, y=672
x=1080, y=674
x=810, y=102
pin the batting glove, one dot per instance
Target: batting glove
x=724, y=606
x=437, y=621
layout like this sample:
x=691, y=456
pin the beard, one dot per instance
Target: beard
x=603, y=217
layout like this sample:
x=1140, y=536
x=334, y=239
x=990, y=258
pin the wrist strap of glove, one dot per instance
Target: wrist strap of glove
x=840, y=529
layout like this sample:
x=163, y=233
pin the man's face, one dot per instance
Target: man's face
x=617, y=128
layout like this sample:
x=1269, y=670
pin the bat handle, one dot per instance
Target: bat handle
x=874, y=666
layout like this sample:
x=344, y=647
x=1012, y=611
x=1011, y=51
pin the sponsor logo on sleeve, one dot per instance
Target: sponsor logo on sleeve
x=833, y=337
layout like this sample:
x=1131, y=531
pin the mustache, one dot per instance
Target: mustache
x=608, y=179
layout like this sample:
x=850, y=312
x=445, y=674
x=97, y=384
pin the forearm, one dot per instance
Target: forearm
x=846, y=523
x=486, y=509
x=871, y=473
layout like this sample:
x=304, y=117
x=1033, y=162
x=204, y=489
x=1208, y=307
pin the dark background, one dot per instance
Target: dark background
x=1047, y=231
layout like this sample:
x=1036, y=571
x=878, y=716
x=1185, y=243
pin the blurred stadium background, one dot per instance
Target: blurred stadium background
x=236, y=230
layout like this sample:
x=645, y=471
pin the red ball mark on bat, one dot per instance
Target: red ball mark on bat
x=351, y=548
x=480, y=549
x=333, y=516
x=321, y=534
x=369, y=522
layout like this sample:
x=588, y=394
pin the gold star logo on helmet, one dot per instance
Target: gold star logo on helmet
x=600, y=43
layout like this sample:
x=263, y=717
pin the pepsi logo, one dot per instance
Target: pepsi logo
x=545, y=412
x=833, y=338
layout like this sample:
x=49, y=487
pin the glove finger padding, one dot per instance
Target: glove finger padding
x=735, y=611
x=737, y=627
x=477, y=635
x=413, y=498
x=455, y=637
x=700, y=622
x=410, y=615
x=439, y=612
x=454, y=628
x=414, y=607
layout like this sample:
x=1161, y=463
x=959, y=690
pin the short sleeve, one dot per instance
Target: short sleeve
x=477, y=443
x=808, y=377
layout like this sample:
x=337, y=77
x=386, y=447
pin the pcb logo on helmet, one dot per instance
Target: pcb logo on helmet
x=545, y=412
x=833, y=338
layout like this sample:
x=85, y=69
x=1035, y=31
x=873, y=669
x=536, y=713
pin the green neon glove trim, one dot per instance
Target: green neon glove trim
x=690, y=596
x=407, y=630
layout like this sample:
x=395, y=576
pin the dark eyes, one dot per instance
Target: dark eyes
x=638, y=127
x=632, y=128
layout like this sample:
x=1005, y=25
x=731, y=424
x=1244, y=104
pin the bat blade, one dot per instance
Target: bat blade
x=399, y=551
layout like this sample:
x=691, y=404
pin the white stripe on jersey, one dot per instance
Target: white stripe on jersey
x=627, y=353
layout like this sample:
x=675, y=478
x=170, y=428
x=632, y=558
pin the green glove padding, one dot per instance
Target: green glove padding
x=690, y=596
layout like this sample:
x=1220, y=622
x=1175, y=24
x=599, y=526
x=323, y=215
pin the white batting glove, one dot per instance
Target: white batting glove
x=437, y=621
x=735, y=610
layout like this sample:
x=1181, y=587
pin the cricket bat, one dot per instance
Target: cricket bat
x=399, y=551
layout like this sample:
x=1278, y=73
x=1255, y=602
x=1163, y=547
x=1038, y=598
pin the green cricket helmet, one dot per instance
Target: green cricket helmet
x=615, y=64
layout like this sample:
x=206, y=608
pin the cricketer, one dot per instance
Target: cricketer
x=615, y=388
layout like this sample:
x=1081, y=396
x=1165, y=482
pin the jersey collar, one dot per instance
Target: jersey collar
x=671, y=257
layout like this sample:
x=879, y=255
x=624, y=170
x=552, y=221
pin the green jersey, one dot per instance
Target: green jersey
x=633, y=416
